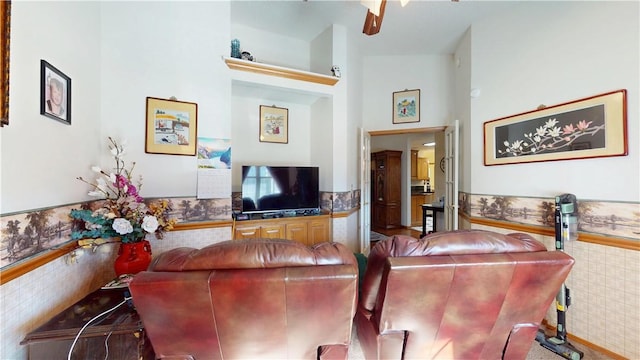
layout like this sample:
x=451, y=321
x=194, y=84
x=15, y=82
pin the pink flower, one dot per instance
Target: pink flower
x=583, y=125
x=568, y=129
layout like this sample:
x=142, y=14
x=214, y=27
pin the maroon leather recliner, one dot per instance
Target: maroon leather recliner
x=249, y=299
x=467, y=294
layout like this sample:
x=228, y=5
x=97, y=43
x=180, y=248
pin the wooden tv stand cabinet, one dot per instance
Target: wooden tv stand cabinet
x=308, y=230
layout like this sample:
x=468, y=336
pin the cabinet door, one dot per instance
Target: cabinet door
x=379, y=216
x=393, y=216
x=318, y=231
x=414, y=164
x=247, y=232
x=380, y=186
x=272, y=231
x=297, y=231
x=416, y=209
x=423, y=169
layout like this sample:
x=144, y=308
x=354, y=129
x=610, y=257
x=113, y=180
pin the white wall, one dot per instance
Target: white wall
x=42, y=157
x=462, y=80
x=551, y=53
x=161, y=50
x=116, y=54
x=384, y=75
x=270, y=48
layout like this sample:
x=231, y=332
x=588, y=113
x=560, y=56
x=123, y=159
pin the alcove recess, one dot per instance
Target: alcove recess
x=276, y=83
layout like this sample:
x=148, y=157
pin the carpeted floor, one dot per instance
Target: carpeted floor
x=537, y=352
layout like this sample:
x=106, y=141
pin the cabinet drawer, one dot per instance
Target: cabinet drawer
x=247, y=232
x=272, y=231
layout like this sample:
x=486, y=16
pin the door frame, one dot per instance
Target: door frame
x=365, y=175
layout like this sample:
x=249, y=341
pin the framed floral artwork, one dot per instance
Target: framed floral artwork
x=406, y=106
x=171, y=127
x=55, y=93
x=274, y=124
x=586, y=128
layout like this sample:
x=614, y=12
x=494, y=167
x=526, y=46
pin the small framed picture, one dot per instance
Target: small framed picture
x=171, y=127
x=406, y=106
x=55, y=93
x=274, y=124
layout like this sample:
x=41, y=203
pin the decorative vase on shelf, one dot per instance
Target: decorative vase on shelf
x=133, y=257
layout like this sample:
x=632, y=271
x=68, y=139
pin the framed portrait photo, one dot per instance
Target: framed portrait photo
x=406, y=106
x=55, y=93
x=171, y=127
x=274, y=124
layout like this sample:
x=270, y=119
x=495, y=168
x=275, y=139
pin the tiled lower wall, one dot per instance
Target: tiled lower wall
x=605, y=294
x=32, y=299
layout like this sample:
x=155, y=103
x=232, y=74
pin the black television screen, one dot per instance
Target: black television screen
x=274, y=188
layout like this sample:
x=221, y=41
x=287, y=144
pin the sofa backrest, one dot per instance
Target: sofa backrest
x=248, y=299
x=464, y=294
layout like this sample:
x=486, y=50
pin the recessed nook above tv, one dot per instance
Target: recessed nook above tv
x=287, y=190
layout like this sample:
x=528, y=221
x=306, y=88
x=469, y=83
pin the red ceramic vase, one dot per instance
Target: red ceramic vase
x=133, y=258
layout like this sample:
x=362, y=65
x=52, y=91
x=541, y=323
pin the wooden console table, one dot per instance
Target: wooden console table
x=121, y=331
x=429, y=210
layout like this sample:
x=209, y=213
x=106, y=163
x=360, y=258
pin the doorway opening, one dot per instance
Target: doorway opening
x=429, y=184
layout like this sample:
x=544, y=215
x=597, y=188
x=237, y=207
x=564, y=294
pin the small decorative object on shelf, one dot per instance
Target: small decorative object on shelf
x=247, y=56
x=336, y=71
x=122, y=214
x=235, y=49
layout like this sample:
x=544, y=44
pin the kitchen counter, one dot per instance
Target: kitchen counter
x=419, y=197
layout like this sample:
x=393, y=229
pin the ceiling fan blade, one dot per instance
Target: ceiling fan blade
x=373, y=23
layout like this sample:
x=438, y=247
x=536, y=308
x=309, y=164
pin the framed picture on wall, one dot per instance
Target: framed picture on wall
x=55, y=93
x=5, y=30
x=171, y=127
x=274, y=124
x=586, y=128
x=406, y=106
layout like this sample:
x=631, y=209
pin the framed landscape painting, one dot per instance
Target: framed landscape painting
x=406, y=106
x=171, y=127
x=586, y=128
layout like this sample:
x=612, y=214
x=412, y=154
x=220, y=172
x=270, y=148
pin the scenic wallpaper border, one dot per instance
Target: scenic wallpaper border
x=29, y=233
x=618, y=219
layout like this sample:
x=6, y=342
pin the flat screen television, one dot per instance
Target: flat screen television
x=277, y=188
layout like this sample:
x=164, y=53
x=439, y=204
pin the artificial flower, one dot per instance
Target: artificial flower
x=123, y=212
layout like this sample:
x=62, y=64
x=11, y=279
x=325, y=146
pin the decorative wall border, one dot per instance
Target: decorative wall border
x=27, y=234
x=600, y=218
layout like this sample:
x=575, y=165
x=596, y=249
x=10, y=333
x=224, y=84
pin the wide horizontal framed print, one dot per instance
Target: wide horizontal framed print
x=55, y=93
x=591, y=127
x=171, y=127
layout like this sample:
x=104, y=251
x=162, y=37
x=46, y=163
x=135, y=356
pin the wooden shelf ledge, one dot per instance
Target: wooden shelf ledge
x=272, y=70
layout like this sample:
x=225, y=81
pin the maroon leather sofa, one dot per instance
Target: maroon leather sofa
x=467, y=294
x=249, y=299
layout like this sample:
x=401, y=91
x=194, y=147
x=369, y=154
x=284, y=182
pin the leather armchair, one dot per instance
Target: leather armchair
x=249, y=299
x=468, y=294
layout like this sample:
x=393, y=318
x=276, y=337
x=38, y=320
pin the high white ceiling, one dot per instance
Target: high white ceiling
x=421, y=27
